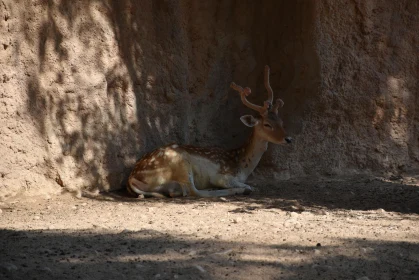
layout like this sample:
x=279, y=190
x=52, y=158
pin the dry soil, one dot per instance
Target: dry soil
x=330, y=228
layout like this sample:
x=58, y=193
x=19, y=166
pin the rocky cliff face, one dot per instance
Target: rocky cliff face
x=88, y=86
x=368, y=102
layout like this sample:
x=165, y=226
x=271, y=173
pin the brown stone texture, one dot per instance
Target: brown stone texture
x=87, y=87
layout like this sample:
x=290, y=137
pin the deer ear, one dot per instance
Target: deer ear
x=249, y=120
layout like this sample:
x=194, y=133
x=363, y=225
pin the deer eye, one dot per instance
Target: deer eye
x=267, y=125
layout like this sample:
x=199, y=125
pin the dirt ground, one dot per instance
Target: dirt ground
x=330, y=228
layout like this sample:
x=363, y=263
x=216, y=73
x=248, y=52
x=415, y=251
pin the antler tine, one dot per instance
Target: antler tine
x=268, y=85
x=245, y=92
x=278, y=104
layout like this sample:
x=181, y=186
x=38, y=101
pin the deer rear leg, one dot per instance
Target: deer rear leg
x=169, y=189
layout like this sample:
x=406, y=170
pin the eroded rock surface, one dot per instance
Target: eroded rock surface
x=87, y=87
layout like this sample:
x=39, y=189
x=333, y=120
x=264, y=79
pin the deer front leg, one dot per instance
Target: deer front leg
x=215, y=193
x=234, y=184
x=218, y=193
x=237, y=184
x=230, y=183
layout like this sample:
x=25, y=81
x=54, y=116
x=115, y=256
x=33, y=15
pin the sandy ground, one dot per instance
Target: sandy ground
x=333, y=228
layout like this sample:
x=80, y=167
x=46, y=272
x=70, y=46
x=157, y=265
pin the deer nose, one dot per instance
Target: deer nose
x=288, y=140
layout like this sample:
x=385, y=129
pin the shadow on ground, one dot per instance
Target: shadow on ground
x=352, y=193
x=149, y=254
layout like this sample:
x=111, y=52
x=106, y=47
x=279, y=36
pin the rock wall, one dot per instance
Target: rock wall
x=368, y=104
x=88, y=86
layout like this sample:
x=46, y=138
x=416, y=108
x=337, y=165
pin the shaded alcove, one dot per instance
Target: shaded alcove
x=233, y=41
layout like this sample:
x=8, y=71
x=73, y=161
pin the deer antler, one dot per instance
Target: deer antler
x=267, y=105
x=245, y=92
x=268, y=86
x=278, y=103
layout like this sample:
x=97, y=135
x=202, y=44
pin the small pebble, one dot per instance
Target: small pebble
x=298, y=225
x=192, y=253
x=237, y=220
x=46, y=269
x=297, y=208
x=99, y=226
x=78, y=194
x=292, y=223
x=200, y=268
x=226, y=252
x=294, y=214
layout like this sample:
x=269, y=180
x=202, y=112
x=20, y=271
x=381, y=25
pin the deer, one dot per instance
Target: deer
x=183, y=170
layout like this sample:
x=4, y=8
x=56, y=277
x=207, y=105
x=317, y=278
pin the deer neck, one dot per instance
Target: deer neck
x=250, y=154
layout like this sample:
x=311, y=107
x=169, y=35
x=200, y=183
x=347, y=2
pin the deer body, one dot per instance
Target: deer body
x=176, y=170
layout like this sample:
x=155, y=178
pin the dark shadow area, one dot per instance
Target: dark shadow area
x=147, y=254
x=350, y=193
x=360, y=193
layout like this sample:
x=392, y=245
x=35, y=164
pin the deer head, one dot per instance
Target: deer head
x=267, y=125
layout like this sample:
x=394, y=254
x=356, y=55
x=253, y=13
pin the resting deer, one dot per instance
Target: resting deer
x=176, y=170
